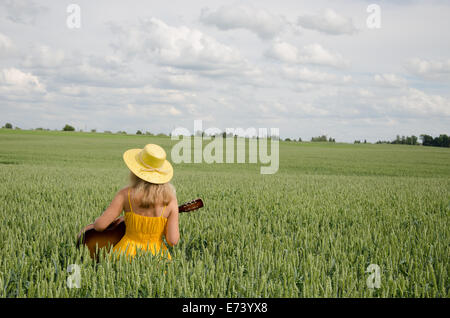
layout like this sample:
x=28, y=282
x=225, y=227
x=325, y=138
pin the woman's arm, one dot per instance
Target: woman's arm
x=172, y=231
x=111, y=213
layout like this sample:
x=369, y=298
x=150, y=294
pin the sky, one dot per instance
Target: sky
x=309, y=68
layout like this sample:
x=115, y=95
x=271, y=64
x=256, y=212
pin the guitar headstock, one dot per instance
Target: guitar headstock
x=191, y=205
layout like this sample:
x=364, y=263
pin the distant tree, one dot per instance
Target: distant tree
x=445, y=141
x=404, y=140
x=8, y=126
x=93, y=130
x=287, y=139
x=299, y=139
x=107, y=132
x=68, y=128
x=365, y=141
x=148, y=133
x=441, y=141
x=427, y=140
x=357, y=142
x=397, y=140
x=138, y=132
x=318, y=139
x=161, y=135
x=322, y=138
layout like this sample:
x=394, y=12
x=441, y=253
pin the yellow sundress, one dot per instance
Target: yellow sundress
x=142, y=232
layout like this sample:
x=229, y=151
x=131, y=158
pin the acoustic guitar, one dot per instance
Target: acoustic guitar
x=95, y=240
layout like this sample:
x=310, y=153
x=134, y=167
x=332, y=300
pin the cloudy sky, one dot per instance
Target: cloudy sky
x=306, y=67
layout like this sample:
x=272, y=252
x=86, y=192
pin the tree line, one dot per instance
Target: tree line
x=442, y=141
x=426, y=140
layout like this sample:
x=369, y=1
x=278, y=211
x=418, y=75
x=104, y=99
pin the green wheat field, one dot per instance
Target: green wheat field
x=310, y=230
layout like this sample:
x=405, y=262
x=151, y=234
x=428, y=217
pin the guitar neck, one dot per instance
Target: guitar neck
x=190, y=206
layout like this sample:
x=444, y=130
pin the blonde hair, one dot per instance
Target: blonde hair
x=149, y=194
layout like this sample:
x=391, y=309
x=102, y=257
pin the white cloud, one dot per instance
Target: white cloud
x=365, y=93
x=276, y=110
x=15, y=80
x=284, y=52
x=6, y=45
x=179, y=80
x=431, y=69
x=308, y=54
x=181, y=47
x=308, y=109
x=76, y=90
x=44, y=56
x=389, y=80
x=327, y=21
x=307, y=75
x=417, y=103
x=174, y=111
x=150, y=110
x=66, y=69
x=22, y=11
x=149, y=94
x=261, y=22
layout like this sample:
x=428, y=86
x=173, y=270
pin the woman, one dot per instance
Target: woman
x=150, y=204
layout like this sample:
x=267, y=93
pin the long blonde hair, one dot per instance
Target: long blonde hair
x=151, y=194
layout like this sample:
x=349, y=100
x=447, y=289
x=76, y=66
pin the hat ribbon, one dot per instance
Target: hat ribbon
x=150, y=168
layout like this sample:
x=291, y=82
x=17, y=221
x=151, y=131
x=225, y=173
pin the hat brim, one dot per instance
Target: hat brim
x=131, y=160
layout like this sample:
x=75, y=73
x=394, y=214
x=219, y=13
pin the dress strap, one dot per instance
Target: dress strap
x=163, y=211
x=129, y=201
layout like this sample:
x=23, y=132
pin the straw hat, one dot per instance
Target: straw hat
x=149, y=164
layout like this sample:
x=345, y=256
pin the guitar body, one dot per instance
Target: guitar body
x=116, y=230
x=108, y=238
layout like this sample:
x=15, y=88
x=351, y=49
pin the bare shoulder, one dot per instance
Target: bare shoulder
x=122, y=192
x=173, y=205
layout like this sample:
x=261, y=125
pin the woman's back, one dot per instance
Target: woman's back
x=157, y=209
x=145, y=227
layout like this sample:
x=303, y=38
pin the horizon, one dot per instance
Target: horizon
x=162, y=135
